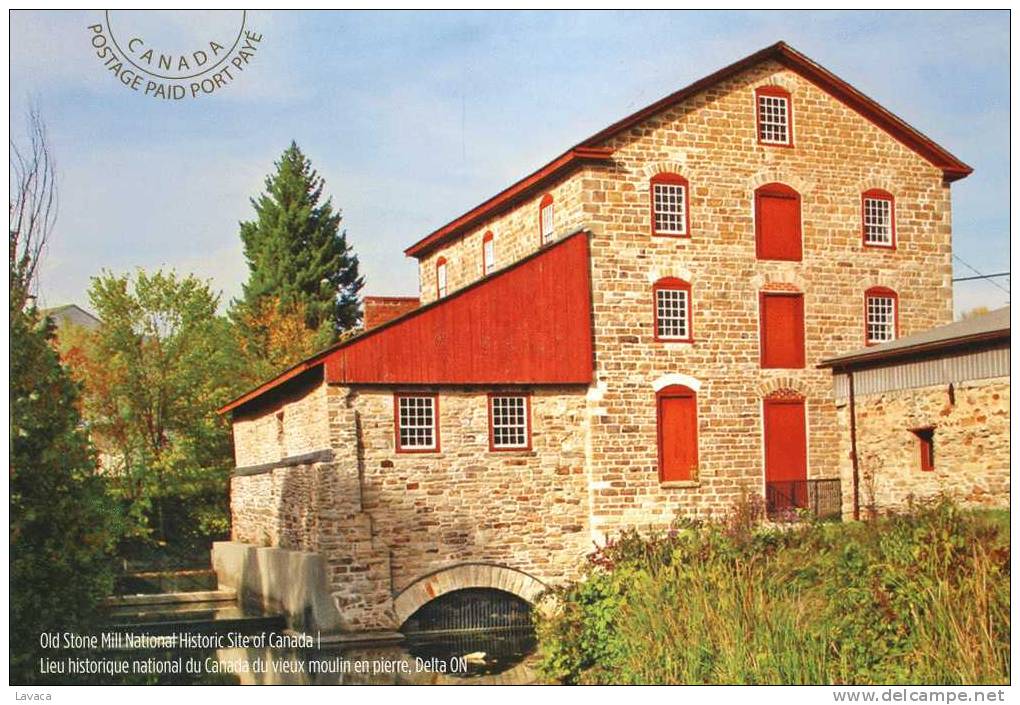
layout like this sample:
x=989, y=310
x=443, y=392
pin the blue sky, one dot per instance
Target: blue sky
x=414, y=118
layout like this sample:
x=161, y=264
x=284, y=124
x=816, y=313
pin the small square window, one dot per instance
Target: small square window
x=416, y=423
x=509, y=425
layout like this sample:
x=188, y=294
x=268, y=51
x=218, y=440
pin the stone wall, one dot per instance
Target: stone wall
x=711, y=141
x=971, y=445
x=383, y=520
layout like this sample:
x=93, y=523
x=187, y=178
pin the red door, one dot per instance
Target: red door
x=782, y=330
x=777, y=217
x=785, y=454
x=678, y=434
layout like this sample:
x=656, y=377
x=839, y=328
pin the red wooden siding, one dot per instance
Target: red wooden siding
x=777, y=222
x=786, y=450
x=782, y=330
x=528, y=324
x=678, y=433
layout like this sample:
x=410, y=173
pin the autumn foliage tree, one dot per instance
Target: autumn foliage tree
x=272, y=336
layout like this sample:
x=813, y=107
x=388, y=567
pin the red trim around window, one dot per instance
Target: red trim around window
x=777, y=191
x=672, y=284
x=527, y=413
x=767, y=361
x=441, y=262
x=683, y=392
x=396, y=421
x=781, y=93
x=547, y=200
x=879, y=194
x=670, y=178
x=883, y=292
x=487, y=238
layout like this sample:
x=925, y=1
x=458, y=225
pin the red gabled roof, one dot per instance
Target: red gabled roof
x=527, y=324
x=952, y=168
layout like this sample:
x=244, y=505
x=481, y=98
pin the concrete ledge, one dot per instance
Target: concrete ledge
x=277, y=579
x=171, y=597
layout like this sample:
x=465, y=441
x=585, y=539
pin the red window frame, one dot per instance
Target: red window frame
x=435, y=421
x=885, y=293
x=486, y=239
x=547, y=200
x=440, y=264
x=673, y=180
x=777, y=190
x=775, y=92
x=926, y=445
x=762, y=332
x=675, y=391
x=672, y=284
x=879, y=195
x=493, y=448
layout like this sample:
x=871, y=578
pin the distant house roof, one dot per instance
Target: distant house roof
x=72, y=314
x=991, y=327
x=593, y=150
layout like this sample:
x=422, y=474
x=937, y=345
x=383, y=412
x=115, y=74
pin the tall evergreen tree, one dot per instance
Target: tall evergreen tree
x=296, y=251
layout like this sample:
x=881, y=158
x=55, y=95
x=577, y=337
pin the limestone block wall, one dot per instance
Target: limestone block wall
x=515, y=236
x=383, y=520
x=711, y=141
x=524, y=509
x=971, y=444
x=287, y=422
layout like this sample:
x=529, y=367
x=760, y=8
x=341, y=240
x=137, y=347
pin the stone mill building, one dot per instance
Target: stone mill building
x=631, y=331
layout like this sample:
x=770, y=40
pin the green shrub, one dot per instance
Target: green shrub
x=916, y=598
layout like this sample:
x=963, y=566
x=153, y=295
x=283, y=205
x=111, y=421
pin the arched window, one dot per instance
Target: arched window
x=488, y=253
x=670, y=212
x=774, y=111
x=546, y=219
x=777, y=223
x=441, y=277
x=677, y=420
x=672, y=311
x=878, y=219
x=881, y=315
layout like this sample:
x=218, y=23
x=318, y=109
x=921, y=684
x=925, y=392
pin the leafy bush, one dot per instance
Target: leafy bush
x=921, y=597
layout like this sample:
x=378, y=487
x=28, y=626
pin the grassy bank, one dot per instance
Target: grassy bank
x=921, y=597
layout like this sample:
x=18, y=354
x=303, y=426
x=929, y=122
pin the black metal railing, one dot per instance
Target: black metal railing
x=789, y=500
x=470, y=609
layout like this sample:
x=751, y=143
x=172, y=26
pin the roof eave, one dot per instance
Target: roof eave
x=867, y=359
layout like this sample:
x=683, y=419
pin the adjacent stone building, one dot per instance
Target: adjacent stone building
x=630, y=332
x=926, y=415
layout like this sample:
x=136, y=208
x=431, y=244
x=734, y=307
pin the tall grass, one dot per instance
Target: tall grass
x=921, y=597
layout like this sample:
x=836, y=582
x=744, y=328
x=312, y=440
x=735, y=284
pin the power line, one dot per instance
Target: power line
x=980, y=275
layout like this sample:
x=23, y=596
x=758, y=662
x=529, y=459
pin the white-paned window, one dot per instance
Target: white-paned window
x=669, y=203
x=672, y=313
x=416, y=423
x=881, y=317
x=774, y=119
x=509, y=422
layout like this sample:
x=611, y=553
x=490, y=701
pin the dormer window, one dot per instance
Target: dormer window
x=441, y=277
x=878, y=217
x=775, y=123
x=488, y=253
x=546, y=222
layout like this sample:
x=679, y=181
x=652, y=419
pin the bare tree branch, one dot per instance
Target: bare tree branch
x=32, y=208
